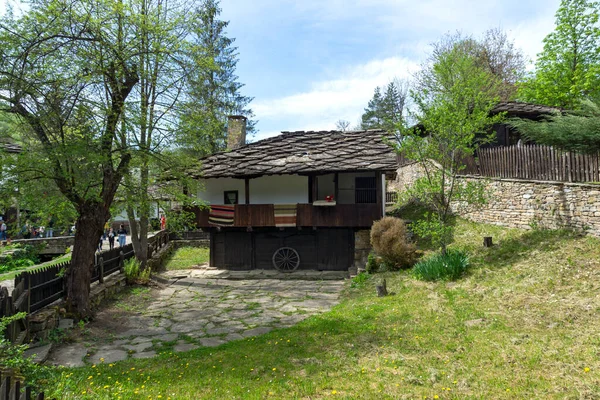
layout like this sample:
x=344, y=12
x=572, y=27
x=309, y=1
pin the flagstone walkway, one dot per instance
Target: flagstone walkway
x=192, y=311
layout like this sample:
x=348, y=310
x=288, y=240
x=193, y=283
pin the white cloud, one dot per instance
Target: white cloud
x=326, y=102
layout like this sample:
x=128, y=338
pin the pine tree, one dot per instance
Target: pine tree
x=213, y=88
x=386, y=110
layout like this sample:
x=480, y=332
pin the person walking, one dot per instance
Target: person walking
x=50, y=232
x=163, y=222
x=122, y=232
x=3, y=229
x=111, y=238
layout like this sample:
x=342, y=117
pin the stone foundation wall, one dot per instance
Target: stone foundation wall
x=406, y=176
x=526, y=204
x=42, y=322
x=362, y=248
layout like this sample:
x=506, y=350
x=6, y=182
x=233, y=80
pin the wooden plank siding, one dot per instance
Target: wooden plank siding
x=263, y=215
x=321, y=249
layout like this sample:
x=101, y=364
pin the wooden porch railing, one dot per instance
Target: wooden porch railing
x=263, y=215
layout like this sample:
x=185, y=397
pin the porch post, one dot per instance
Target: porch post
x=247, y=190
x=379, y=190
x=337, y=187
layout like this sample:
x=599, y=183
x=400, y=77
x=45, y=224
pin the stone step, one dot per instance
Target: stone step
x=39, y=353
x=65, y=323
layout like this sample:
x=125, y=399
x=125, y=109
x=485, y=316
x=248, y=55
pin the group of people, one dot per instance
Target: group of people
x=110, y=234
x=28, y=231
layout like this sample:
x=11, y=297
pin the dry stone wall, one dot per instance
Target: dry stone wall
x=527, y=204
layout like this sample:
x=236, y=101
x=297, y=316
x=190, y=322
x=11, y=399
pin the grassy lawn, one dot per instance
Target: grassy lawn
x=187, y=257
x=522, y=324
x=58, y=260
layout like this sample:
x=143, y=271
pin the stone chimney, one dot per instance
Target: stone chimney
x=236, y=131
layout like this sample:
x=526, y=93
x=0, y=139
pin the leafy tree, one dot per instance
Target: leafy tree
x=573, y=132
x=451, y=111
x=568, y=69
x=66, y=70
x=150, y=114
x=213, y=90
x=386, y=109
x=493, y=53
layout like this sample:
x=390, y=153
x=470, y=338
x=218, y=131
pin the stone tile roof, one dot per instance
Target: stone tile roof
x=518, y=109
x=303, y=153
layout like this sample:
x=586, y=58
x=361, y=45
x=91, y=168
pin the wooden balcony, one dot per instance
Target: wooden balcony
x=262, y=215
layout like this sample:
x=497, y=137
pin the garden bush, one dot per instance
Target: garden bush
x=449, y=266
x=133, y=272
x=22, y=257
x=390, y=241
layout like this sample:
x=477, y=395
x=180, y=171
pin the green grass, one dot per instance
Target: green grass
x=187, y=257
x=522, y=323
x=57, y=260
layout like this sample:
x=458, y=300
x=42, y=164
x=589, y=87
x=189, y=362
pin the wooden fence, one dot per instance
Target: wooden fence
x=538, y=162
x=532, y=162
x=11, y=390
x=36, y=289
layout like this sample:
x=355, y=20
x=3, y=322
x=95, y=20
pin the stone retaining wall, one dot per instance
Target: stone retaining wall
x=526, y=204
x=42, y=322
x=362, y=248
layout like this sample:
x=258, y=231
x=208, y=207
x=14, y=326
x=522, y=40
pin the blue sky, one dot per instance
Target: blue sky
x=309, y=63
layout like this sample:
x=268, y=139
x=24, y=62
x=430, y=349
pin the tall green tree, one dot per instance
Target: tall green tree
x=66, y=71
x=493, y=53
x=576, y=131
x=150, y=116
x=386, y=110
x=568, y=69
x=451, y=111
x=213, y=90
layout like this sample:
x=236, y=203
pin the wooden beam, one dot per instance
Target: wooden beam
x=211, y=255
x=314, y=188
x=247, y=190
x=310, y=193
x=337, y=188
x=380, y=197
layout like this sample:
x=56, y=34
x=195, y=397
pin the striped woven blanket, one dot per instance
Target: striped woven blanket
x=285, y=215
x=221, y=215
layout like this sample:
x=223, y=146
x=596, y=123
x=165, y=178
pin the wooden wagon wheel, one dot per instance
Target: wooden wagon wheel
x=286, y=259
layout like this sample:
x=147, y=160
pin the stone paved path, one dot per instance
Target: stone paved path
x=195, y=310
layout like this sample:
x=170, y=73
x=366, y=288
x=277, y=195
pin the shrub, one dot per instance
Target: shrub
x=372, y=265
x=389, y=240
x=449, y=266
x=133, y=273
x=12, y=357
x=359, y=280
x=22, y=257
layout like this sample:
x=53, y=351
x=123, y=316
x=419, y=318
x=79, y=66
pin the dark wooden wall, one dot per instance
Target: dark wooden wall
x=321, y=249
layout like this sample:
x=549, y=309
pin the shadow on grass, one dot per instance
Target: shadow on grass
x=513, y=249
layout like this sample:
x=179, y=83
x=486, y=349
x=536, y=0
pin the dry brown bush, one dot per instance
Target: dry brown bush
x=389, y=240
